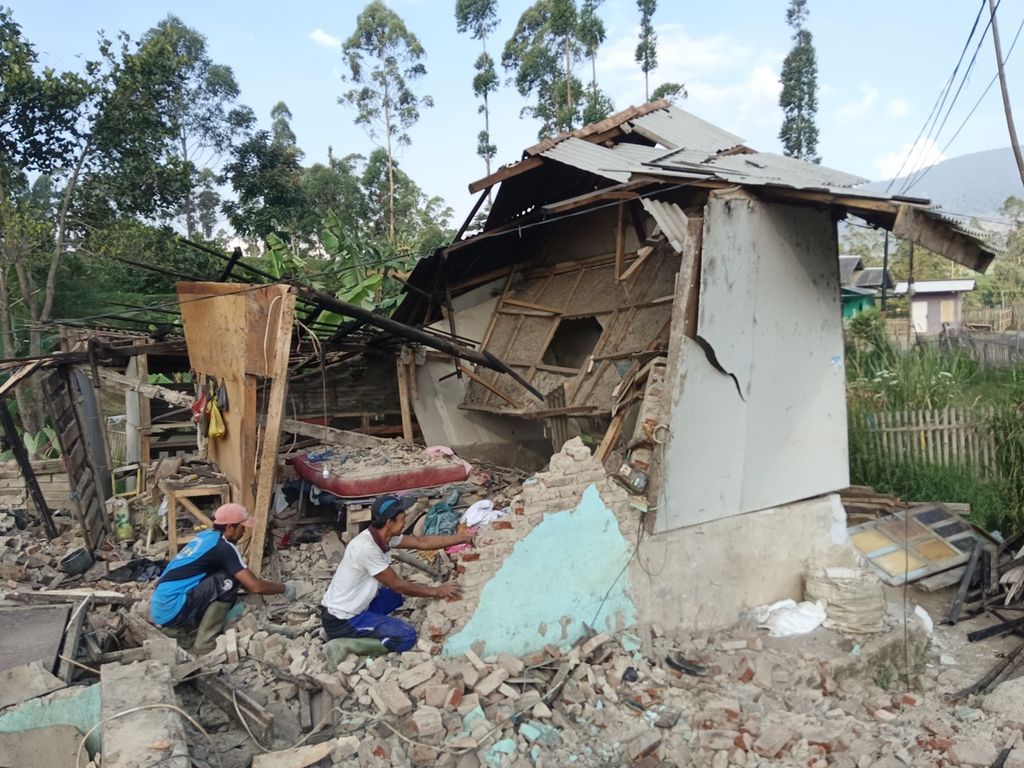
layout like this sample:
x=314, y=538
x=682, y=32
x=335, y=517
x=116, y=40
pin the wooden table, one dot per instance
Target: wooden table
x=183, y=495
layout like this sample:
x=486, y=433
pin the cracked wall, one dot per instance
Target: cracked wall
x=760, y=416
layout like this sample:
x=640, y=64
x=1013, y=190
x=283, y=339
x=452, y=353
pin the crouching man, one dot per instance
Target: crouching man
x=200, y=585
x=365, y=589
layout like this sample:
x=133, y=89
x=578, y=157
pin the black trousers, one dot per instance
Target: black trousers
x=217, y=587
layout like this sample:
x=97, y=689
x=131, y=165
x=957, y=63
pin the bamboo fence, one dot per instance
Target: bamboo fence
x=946, y=437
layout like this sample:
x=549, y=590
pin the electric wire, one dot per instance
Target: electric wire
x=984, y=93
x=934, y=134
x=940, y=99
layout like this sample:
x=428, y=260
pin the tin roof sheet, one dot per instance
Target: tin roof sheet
x=677, y=129
x=670, y=219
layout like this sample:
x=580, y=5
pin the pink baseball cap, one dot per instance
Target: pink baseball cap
x=233, y=514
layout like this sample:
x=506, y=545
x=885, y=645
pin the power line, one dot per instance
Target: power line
x=977, y=103
x=910, y=180
x=940, y=99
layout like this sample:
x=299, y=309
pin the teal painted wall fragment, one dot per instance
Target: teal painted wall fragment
x=78, y=707
x=556, y=576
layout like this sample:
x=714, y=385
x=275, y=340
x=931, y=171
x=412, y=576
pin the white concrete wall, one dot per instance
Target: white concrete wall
x=704, y=576
x=442, y=422
x=766, y=425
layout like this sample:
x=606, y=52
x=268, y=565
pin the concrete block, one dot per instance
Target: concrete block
x=410, y=678
x=490, y=683
x=772, y=741
x=128, y=741
x=475, y=660
x=435, y=695
x=972, y=752
x=389, y=698
x=428, y=721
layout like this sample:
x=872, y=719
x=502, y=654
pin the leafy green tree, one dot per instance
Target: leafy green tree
x=205, y=110
x=334, y=189
x=591, y=33
x=542, y=52
x=647, y=49
x=207, y=203
x=479, y=18
x=281, y=127
x=670, y=91
x=267, y=179
x=385, y=61
x=102, y=140
x=799, y=96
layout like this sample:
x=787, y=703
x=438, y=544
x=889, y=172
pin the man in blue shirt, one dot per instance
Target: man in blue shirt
x=200, y=585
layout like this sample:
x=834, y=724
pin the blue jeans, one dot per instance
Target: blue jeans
x=394, y=634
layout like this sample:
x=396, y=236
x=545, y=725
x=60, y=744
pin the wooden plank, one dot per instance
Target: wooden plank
x=913, y=224
x=611, y=437
x=620, y=241
x=490, y=388
x=508, y=172
x=72, y=637
x=19, y=376
x=403, y=399
x=531, y=305
x=267, y=472
x=965, y=583
x=642, y=255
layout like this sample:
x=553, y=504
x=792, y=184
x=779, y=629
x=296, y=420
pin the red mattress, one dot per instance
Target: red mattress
x=364, y=481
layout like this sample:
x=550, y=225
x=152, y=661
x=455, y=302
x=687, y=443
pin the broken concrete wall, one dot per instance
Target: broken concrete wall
x=758, y=410
x=705, y=575
x=542, y=575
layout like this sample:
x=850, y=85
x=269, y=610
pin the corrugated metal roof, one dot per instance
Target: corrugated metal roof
x=676, y=129
x=936, y=286
x=765, y=167
x=872, y=277
x=847, y=266
x=670, y=219
x=593, y=158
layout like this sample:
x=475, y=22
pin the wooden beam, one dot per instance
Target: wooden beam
x=182, y=399
x=19, y=376
x=914, y=225
x=403, y=399
x=611, y=437
x=508, y=172
x=490, y=387
x=626, y=191
x=641, y=257
x=531, y=305
x=25, y=465
x=267, y=471
x=620, y=241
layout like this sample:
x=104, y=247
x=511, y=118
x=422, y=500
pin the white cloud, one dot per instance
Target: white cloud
x=898, y=107
x=853, y=110
x=325, y=39
x=908, y=159
x=729, y=84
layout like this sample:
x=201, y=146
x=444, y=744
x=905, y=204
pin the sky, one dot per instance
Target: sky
x=881, y=67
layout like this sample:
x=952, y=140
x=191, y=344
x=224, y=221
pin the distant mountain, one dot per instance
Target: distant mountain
x=976, y=184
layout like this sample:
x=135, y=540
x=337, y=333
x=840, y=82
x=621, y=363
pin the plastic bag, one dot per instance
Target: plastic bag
x=786, y=617
x=216, y=428
x=853, y=598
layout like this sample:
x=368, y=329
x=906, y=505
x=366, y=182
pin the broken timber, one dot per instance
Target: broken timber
x=417, y=335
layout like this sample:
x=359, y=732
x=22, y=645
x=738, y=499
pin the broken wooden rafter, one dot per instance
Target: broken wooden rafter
x=417, y=335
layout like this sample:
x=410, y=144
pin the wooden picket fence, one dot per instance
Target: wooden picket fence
x=947, y=437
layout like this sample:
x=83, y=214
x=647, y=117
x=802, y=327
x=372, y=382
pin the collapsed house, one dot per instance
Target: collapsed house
x=678, y=292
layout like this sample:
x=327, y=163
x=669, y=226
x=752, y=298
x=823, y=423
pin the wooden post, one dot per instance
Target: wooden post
x=620, y=241
x=145, y=411
x=267, y=470
x=403, y=398
x=25, y=465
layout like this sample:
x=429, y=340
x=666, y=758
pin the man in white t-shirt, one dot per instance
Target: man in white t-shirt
x=365, y=589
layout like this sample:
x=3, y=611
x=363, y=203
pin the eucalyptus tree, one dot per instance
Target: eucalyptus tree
x=385, y=61
x=799, y=95
x=591, y=33
x=542, y=54
x=479, y=18
x=647, y=49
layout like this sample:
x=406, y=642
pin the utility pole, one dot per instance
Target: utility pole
x=885, y=271
x=1006, y=96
